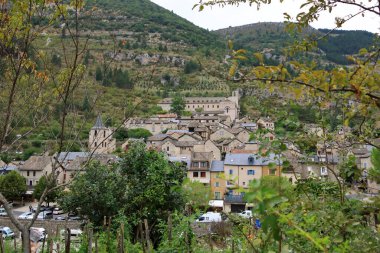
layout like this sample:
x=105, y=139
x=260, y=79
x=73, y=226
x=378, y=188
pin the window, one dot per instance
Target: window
x=167, y=148
x=231, y=172
x=195, y=174
x=195, y=164
x=104, y=134
x=203, y=174
x=217, y=195
x=251, y=172
x=216, y=184
x=243, y=183
x=95, y=145
x=34, y=173
x=96, y=133
x=27, y=173
x=323, y=171
x=204, y=164
x=105, y=144
x=272, y=171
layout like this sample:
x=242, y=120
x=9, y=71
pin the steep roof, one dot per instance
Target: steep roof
x=201, y=156
x=70, y=156
x=98, y=123
x=79, y=162
x=249, y=159
x=217, y=166
x=159, y=137
x=36, y=163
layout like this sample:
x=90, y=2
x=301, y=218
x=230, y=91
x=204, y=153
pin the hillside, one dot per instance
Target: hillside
x=273, y=38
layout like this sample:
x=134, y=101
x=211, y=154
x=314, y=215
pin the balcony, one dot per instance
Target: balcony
x=234, y=199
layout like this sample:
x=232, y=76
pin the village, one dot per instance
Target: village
x=219, y=149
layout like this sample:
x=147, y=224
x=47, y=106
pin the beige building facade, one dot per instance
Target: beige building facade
x=229, y=105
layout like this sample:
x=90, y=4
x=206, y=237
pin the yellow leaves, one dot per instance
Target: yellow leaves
x=233, y=69
x=259, y=57
x=230, y=44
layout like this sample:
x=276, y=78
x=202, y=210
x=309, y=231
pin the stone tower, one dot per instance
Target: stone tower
x=100, y=139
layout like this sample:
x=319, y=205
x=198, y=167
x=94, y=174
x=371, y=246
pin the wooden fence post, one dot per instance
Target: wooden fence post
x=67, y=241
x=1, y=243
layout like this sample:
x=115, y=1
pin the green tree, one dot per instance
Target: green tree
x=197, y=194
x=47, y=182
x=139, y=133
x=98, y=74
x=154, y=186
x=349, y=170
x=178, y=105
x=191, y=67
x=121, y=134
x=13, y=185
x=98, y=192
x=374, y=172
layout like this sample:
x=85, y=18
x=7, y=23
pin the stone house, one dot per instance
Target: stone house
x=200, y=167
x=101, y=139
x=209, y=146
x=266, y=123
x=221, y=134
x=156, y=141
x=225, y=146
x=80, y=163
x=36, y=167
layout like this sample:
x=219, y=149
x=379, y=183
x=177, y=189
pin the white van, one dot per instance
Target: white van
x=210, y=217
x=246, y=214
x=75, y=235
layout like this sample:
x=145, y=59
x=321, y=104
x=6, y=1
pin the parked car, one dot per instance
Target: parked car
x=57, y=211
x=75, y=235
x=60, y=218
x=45, y=215
x=3, y=212
x=41, y=232
x=246, y=214
x=26, y=216
x=6, y=232
x=210, y=217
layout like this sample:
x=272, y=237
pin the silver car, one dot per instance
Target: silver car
x=6, y=232
x=26, y=216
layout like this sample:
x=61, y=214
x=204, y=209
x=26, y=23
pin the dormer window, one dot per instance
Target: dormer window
x=251, y=160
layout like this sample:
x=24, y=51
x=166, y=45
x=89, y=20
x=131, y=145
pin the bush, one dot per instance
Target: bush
x=191, y=67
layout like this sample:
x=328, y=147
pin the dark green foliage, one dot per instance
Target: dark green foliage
x=56, y=60
x=121, y=79
x=138, y=133
x=375, y=170
x=121, y=134
x=154, y=186
x=86, y=107
x=98, y=74
x=98, y=192
x=12, y=185
x=191, y=67
x=47, y=182
x=178, y=105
